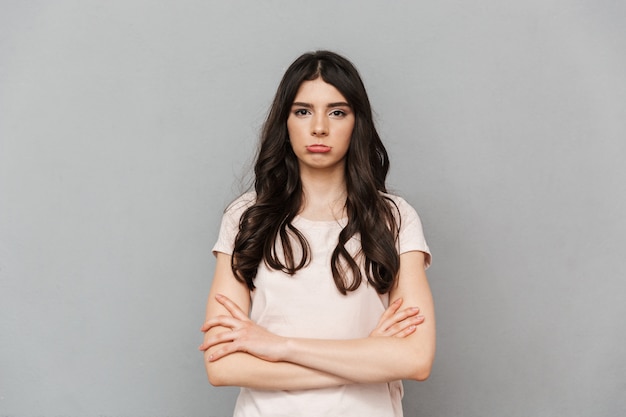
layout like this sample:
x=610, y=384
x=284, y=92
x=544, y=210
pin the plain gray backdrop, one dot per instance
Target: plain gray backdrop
x=127, y=126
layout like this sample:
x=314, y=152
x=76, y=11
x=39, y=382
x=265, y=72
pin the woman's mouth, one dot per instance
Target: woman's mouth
x=318, y=148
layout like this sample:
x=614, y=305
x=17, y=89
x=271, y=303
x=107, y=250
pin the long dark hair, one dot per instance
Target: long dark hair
x=267, y=223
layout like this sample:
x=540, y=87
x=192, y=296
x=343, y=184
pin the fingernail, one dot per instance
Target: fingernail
x=219, y=296
x=420, y=317
x=415, y=308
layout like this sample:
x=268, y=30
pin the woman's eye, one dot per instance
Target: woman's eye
x=338, y=113
x=301, y=112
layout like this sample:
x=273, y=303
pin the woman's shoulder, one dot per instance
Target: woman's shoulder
x=237, y=207
x=242, y=202
x=400, y=203
x=411, y=233
x=405, y=213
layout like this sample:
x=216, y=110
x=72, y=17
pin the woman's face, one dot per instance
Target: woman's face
x=320, y=125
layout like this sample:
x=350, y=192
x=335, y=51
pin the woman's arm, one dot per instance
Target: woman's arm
x=377, y=359
x=243, y=369
x=372, y=359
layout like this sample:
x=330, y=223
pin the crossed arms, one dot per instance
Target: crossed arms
x=238, y=352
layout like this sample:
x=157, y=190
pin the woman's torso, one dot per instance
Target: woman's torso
x=309, y=305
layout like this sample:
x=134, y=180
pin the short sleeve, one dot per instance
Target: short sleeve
x=230, y=224
x=411, y=236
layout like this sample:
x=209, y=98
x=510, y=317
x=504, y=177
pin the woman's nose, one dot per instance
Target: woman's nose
x=320, y=126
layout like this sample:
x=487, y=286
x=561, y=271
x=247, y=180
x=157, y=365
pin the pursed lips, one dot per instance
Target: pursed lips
x=317, y=148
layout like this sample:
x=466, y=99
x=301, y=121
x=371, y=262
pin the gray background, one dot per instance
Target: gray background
x=127, y=126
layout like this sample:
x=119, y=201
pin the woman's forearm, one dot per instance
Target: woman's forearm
x=244, y=370
x=372, y=359
x=312, y=363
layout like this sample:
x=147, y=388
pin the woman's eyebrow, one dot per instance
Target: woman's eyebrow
x=338, y=104
x=310, y=106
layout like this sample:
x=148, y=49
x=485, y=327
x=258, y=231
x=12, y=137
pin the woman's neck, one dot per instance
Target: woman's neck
x=324, y=197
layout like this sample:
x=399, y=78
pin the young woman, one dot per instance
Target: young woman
x=313, y=309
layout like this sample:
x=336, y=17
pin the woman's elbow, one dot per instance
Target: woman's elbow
x=227, y=371
x=421, y=369
x=215, y=379
x=422, y=373
x=215, y=375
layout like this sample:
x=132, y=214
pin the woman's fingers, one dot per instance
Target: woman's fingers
x=225, y=321
x=406, y=332
x=232, y=308
x=220, y=353
x=217, y=339
x=391, y=310
x=399, y=318
x=406, y=326
x=236, y=314
x=386, y=318
x=241, y=334
x=396, y=323
x=243, y=337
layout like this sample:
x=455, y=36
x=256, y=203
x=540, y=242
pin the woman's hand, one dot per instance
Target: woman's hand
x=244, y=335
x=247, y=336
x=397, y=324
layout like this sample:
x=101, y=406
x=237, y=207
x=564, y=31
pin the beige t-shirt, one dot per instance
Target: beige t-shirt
x=309, y=305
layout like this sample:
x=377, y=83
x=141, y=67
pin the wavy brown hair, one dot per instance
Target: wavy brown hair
x=266, y=225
